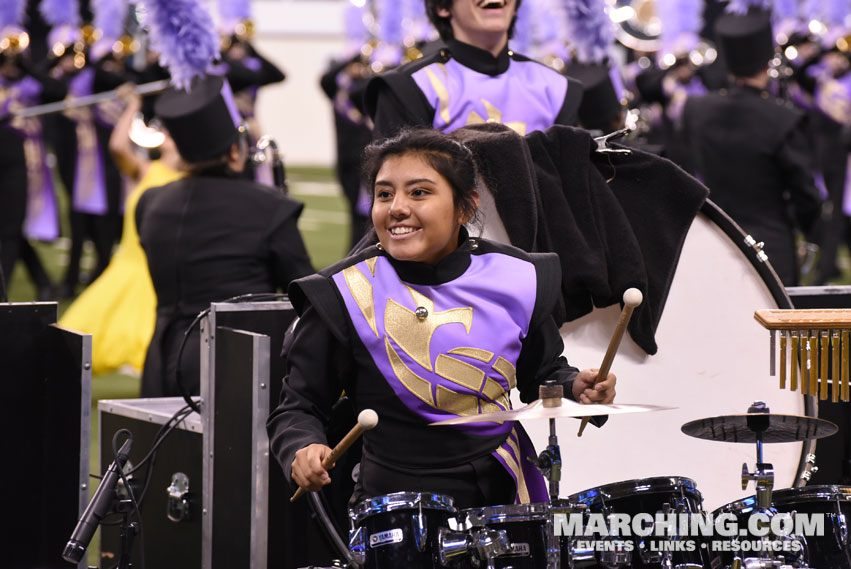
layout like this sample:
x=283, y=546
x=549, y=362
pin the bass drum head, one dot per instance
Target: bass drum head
x=713, y=359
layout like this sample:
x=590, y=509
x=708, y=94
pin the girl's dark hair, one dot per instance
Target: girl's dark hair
x=444, y=27
x=449, y=158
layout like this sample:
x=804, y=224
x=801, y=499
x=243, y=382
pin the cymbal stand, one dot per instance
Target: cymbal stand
x=763, y=474
x=549, y=460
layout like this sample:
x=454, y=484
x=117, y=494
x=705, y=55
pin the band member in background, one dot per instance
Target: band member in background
x=119, y=307
x=212, y=235
x=426, y=324
x=750, y=149
x=476, y=78
x=28, y=206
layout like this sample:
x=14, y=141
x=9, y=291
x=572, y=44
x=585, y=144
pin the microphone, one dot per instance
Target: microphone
x=97, y=509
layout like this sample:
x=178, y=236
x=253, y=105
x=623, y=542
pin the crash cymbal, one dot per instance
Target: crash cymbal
x=773, y=428
x=536, y=410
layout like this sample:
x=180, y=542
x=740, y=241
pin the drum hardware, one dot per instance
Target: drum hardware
x=632, y=297
x=485, y=543
x=549, y=460
x=757, y=246
x=810, y=468
x=367, y=419
x=819, y=342
x=529, y=539
x=840, y=527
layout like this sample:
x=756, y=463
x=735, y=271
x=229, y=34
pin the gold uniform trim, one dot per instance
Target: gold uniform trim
x=460, y=372
x=495, y=116
x=506, y=370
x=370, y=263
x=457, y=403
x=361, y=291
x=475, y=353
x=414, y=383
x=412, y=334
x=441, y=90
x=514, y=466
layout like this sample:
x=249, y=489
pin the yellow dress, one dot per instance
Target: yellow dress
x=119, y=308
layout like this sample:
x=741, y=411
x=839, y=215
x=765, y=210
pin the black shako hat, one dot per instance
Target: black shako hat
x=745, y=41
x=600, y=104
x=203, y=121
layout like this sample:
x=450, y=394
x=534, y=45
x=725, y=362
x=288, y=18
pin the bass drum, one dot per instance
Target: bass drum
x=712, y=360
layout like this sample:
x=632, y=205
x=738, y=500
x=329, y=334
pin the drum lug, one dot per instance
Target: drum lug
x=613, y=558
x=758, y=247
x=357, y=545
x=840, y=530
x=452, y=545
x=490, y=543
x=420, y=530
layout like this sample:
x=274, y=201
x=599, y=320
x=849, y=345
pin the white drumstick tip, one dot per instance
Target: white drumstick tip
x=632, y=297
x=367, y=419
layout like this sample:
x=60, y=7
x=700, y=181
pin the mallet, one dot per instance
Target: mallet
x=367, y=419
x=631, y=298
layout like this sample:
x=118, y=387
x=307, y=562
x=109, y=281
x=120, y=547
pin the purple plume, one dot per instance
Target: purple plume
x=590, y=29
x=12, y=12
x=836, y=11
x=58, y=12
x=522, y=39
x=182, y=31
x=109, y=16
x=784, y=9
x=232, y=12
x=390, y=14
x=742, y=6
x=682, y=21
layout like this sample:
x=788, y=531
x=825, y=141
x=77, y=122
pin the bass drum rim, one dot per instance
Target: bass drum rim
x=746, y=245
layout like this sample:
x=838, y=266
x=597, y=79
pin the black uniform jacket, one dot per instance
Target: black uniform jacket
x=209, y=239
x=751, y=150
x=616, y=220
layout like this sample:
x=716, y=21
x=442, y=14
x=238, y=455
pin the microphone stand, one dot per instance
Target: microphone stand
x=129, y=530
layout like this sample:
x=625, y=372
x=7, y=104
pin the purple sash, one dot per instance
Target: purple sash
x=457, y=359
x=89, y=176
x=461, y=96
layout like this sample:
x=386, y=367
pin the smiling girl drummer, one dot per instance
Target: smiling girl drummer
x=425, y=325
x=475, y=78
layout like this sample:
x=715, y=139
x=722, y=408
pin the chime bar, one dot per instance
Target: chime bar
x=815, y=344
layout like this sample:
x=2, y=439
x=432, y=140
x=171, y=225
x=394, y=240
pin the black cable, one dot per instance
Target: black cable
x=251, y=297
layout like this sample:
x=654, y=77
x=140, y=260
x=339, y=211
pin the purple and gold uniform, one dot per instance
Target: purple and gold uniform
x=420, y=343
x=462, y=85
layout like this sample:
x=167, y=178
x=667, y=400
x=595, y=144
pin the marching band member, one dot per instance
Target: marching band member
x=476, y=78
x=212, y=235
x=749, y=148
x=427, y=324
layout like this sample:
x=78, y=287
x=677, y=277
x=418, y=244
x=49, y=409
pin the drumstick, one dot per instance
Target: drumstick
x=631, y=298
x=367, y=419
